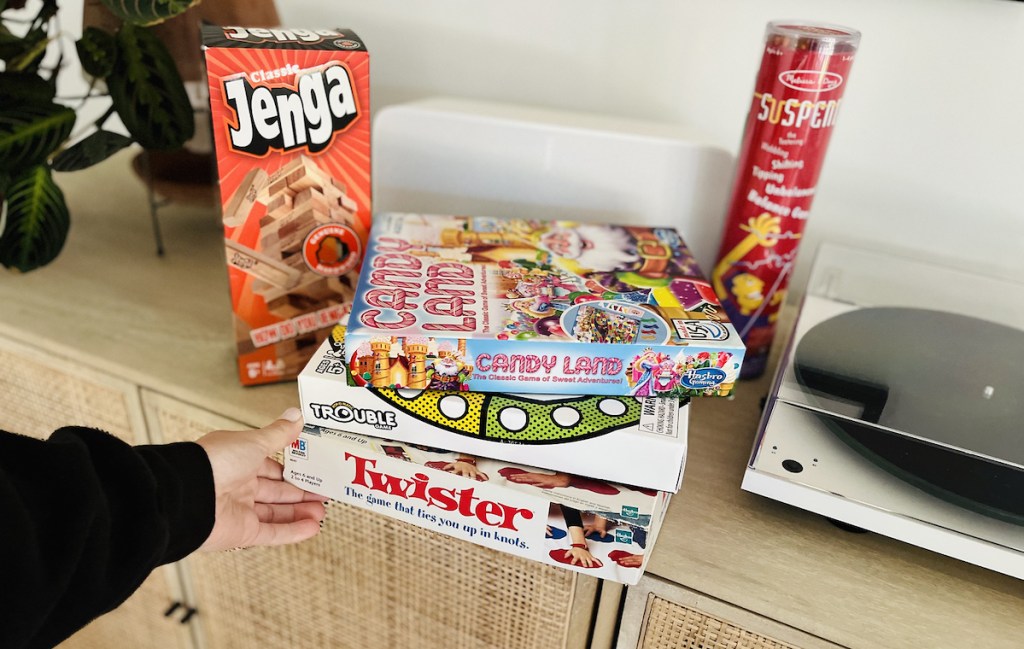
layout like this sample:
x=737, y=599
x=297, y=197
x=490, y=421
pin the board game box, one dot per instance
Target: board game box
x=538, y=307
x=633, y=440
x=291, y=128
x=593, y=527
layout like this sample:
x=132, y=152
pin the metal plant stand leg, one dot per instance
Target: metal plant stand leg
x=154, y=204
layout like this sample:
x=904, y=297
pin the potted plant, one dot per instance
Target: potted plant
x=129, y=66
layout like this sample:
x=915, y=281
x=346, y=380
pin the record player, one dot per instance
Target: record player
x=898, y=406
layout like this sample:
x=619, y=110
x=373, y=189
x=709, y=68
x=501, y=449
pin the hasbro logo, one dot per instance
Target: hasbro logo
x=703, y=378
x=624, y=536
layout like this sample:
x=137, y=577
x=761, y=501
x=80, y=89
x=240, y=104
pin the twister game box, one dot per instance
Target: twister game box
x=597, y=528
x=291, y=128
x=538, y=307
x=633, y=440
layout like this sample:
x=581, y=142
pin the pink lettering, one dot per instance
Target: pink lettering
x=370, y=318
x=391, y=244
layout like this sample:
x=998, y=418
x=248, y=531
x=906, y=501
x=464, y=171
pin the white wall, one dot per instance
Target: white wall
x=928, y=153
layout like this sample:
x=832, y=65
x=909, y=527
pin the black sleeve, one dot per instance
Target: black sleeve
x=572, y=517
x=84, y=518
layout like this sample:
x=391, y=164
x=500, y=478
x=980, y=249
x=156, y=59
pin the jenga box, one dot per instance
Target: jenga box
x=291, y=128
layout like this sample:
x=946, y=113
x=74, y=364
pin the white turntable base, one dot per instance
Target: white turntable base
x=836, y=482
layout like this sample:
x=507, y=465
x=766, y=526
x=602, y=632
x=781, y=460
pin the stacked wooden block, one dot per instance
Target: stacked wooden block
x=298, y=197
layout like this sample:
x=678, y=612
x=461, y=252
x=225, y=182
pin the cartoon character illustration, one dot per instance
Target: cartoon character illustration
x=607, y=258
x=745, y=289
x=640, y=373
x=550, y=326
x=664, y=377
x=332, y=250
x=444, y=374
x=619, y=258
x=449, y=372
x=537, y=282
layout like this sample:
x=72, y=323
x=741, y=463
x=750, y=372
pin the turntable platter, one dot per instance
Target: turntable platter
x=940, y=398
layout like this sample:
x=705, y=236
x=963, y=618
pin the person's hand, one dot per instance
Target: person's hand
x=466, y=469
x=580, y=557
x=630, y=560
x=599, y=525
x=255, y=506
x=542, y=480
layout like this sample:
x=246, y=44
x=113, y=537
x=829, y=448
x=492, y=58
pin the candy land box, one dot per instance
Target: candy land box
x=291, y=128
x=637, y=441
x=539, y=307
x=597, y=528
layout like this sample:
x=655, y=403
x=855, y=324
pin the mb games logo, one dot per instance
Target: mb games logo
x=320, y=104
x=298, y=450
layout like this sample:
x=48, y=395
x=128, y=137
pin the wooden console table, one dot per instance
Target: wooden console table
x=114, y=336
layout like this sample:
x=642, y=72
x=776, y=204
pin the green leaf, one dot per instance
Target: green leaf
x=96, y=51
x=147, y=91
x=30, y=132
x=37, y=221
x=23, y=88
x=13, y=46
x=148, y=12
x=95, y=148
x=29, y=60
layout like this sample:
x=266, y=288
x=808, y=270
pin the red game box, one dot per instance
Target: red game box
x=291, y=129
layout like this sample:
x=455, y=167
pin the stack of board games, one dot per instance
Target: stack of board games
x=608, y=530
x=291, y=128
x=573, y=348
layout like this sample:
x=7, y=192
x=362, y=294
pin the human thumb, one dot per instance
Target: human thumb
x=281, y=432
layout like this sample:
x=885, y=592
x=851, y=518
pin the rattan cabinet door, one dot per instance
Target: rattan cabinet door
x=40, y=392
x=662, y=615
x=371, y=582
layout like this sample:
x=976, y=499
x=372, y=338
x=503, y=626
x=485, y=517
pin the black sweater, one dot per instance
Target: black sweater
x=84, y=518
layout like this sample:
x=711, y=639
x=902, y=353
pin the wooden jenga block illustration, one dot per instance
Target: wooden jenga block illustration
x=286, y=306
x=278, y=207
x=311, y=198
x=238, y=206
x=261, y=266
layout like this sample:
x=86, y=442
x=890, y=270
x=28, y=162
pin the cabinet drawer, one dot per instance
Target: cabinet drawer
x=140, y=623
x=662, y=615
x=372, y=582
x=40, y=392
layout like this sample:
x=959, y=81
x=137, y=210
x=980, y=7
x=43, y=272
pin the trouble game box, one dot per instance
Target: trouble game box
x=538, y=307
x=633, y=440
x=291, y=128
x=597, y=528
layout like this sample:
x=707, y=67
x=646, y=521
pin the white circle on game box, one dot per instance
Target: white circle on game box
x=514, y=419
x=612, y=407
x=453, y=406
x=566, y=416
